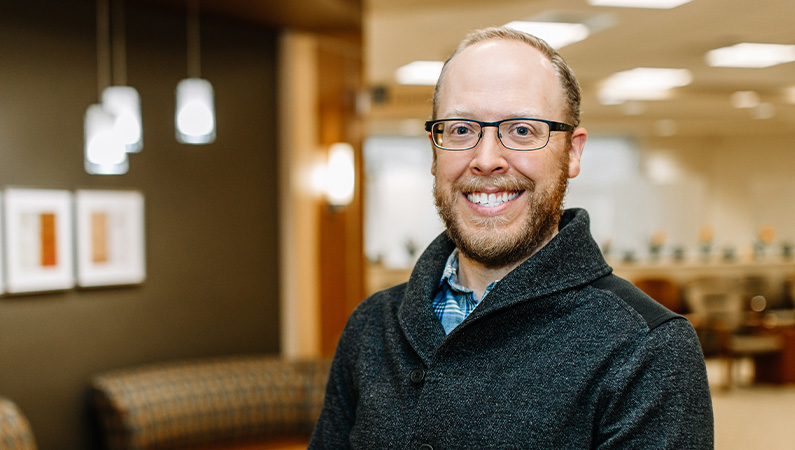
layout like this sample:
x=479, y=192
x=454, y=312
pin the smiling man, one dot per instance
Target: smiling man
x=512, y=331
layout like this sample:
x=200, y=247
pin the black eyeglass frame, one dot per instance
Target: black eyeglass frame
x=553, y=126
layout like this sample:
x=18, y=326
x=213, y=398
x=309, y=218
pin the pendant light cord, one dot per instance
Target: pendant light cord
x=103, y=47
x=119, y=52
x=194, y=45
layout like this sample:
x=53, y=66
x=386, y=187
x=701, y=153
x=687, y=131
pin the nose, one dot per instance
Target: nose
x=489, y=154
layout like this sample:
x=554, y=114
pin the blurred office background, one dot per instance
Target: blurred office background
x=689, y=184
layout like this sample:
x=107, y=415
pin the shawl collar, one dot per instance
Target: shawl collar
x=570, y=260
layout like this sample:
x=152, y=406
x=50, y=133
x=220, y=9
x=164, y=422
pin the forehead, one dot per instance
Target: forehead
x=501, y=78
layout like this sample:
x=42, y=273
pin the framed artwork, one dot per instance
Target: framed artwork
x=38, y=240
x=110, y=238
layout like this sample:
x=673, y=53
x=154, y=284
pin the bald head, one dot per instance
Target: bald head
x=568, y=86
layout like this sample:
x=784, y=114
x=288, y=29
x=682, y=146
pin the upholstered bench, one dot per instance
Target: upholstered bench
x=15, y=432
x=247, y=402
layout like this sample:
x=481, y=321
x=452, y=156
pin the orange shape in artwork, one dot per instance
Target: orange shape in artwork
x=49, y=249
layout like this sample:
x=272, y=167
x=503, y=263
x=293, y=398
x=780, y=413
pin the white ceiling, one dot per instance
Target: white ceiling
x=399, y=31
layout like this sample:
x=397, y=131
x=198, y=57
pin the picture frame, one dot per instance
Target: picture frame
x=38, y=240
x=110, y=237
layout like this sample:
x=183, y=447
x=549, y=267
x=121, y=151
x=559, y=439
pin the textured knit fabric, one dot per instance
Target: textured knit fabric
x=453, y=302
x=560, y=355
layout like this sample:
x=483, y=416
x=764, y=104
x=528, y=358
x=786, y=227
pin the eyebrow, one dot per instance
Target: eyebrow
x=464, y=114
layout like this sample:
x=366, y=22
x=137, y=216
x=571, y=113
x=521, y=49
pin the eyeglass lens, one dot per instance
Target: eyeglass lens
x=519, y=134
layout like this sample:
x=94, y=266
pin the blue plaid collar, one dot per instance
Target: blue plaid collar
x=450, y=275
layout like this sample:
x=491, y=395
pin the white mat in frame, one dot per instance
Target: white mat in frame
x=110, y=237
x=38, y=240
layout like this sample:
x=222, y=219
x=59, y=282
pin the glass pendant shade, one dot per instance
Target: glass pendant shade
x=195, y=115
x=125, y=104
x=104, y=151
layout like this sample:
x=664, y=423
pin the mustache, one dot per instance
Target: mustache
x=499, y=182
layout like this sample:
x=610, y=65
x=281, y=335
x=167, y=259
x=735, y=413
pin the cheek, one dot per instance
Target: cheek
x=532, y=168
x=449, y=166
x=543, y=168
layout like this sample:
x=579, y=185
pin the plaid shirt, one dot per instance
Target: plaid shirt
x=453, y=302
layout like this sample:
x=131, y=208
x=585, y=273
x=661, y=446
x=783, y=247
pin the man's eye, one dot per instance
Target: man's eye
x=523, y=130
x=460, y=130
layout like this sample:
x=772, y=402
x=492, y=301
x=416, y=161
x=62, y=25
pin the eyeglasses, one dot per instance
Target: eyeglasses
x=522, y=134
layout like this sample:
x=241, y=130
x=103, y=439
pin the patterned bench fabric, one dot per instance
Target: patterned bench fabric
x=209, y=402
x=15, y=432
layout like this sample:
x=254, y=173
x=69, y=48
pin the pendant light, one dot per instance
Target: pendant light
x=121, y=100
x=113, y=127
x=103, y=151
x=195, y=109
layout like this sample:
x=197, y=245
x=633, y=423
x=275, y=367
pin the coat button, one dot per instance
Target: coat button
x=416, y=376
x=425, y=447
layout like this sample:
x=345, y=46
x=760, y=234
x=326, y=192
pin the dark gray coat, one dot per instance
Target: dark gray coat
x=560, y=355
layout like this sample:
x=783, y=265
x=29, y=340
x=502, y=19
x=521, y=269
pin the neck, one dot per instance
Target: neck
x=476, y=276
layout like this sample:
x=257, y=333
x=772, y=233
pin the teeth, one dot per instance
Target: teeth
x=491, y=200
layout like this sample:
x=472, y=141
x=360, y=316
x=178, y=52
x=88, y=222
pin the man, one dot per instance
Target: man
x=512, y=333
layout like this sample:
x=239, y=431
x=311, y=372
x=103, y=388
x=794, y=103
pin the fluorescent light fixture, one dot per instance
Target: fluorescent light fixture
x=104, y=152
x=745, y=99
x=423, y=73
x=651, y=4
x=195, y=116
x=556, y=34
x=340, y=175
x=750, y=55
x=642, y=83
x=633, y=108
x=789, y=94
x=665, y=128
x=125, y=104
x=764, y=111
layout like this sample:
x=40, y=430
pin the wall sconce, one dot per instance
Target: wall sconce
x=195, y=112
x=104, y=152
x=340, y=175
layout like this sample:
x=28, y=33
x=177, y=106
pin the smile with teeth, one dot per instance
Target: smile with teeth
x=491, y=200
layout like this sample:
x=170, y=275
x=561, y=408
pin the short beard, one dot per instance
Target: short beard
x=490, y=245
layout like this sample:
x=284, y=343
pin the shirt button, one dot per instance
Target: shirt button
x=425, y=447
x=416, y=376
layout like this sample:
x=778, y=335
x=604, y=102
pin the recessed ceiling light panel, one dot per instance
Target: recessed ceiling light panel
x=642, y=83
x=750, y=55
x=652, y=4
x=556, y=34
x=424, y=73
x=745, y=99
x=789, y=94
x=764, y=111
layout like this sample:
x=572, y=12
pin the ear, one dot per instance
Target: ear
x=578, y=138
x=433, y=149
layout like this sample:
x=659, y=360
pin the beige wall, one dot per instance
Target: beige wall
x=749, y=182
x=300, y=155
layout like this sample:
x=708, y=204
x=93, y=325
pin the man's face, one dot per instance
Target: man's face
x=501, y=205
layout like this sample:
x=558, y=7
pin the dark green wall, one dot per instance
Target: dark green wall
x=211, y=211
